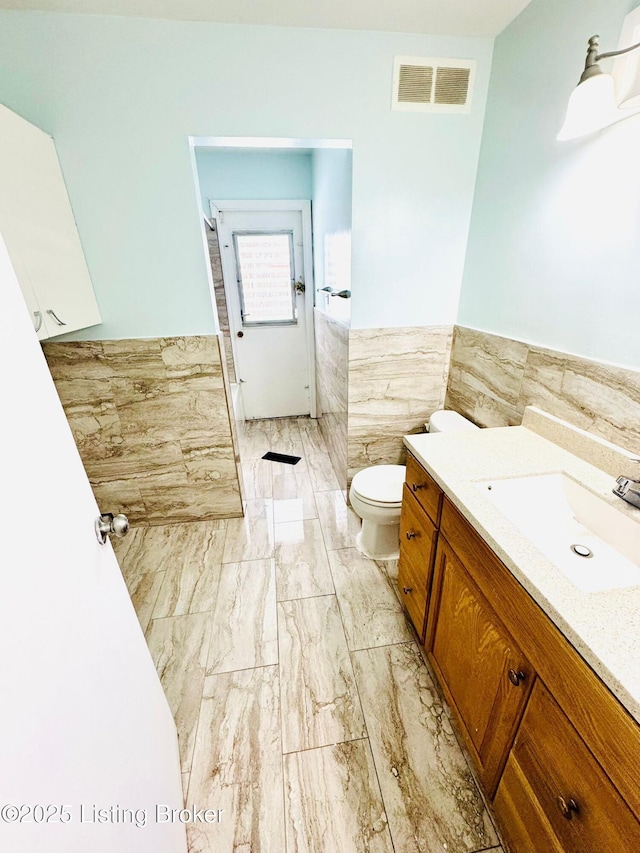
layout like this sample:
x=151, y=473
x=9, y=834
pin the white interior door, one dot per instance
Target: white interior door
x=268, y=288
x=88, y=746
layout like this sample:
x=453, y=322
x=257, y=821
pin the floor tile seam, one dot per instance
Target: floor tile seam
x=250, y=560
x=344, y=631
x=344, y=625
x=324, y=745
x=384, y=646
x=182, y=615
x=242, y=668
x=197, y=726
x=189, y=611
x=155, y=600
x=373, y=757
x=305, y=597
x=322, y=534
x=187, y=522
x=270, y=556
x=281, y=726
x=282, y=675
x=415, y=643
x=309, y=598
x=362, y=739
x=247, y=669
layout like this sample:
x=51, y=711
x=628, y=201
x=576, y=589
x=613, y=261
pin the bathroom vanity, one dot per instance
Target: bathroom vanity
x=542, y=678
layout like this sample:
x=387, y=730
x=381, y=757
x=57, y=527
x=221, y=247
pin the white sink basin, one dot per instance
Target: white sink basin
x=555, y=513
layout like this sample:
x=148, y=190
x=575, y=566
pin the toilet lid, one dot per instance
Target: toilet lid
x=381, y=483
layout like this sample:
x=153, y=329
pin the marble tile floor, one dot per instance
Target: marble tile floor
x=302, y=704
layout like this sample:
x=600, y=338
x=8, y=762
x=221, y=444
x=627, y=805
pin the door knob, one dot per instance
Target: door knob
x=241, y=334
x=407, y=589
x=411, y=535
x=109, y=524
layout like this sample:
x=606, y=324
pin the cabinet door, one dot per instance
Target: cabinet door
x=417, y=549
x=554, y=796
x=39, y=229
x=484, y=674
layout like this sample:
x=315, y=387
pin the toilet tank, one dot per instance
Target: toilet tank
x=448, y=421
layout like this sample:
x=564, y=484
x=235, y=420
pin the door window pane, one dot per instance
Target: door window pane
x=265, y=277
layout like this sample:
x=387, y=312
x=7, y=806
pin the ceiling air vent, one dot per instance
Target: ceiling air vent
x=433, y=85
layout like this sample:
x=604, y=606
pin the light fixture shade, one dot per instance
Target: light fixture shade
x=592, y=106
x=631, y=97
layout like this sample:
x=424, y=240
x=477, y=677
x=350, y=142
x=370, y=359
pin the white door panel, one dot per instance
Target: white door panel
x=272, y=359
x=83, y=719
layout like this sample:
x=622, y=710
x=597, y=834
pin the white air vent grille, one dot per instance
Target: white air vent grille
x=415, y=84
x=433, y=85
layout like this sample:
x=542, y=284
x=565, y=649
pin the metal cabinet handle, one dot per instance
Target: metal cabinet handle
x=516, y=677
x=55, y=317
x=417, y=486
x=567, y=807
x=109, y=524
x=411, y=535
x=407, y=589
x=38, y=316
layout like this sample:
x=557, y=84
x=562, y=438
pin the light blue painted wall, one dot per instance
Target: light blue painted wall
x=554, y=245
x=253, y=175
x=121, y=96
x=332, y=214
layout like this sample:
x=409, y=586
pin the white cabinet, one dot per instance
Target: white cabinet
x=37, y=224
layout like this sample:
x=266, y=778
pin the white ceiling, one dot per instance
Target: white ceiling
x=436, y=17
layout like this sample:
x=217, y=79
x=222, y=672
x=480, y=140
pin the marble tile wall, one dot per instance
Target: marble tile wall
x=492, y=379
x=221, y=300
x=397, y=378
x=151, y=423
x=332, y=378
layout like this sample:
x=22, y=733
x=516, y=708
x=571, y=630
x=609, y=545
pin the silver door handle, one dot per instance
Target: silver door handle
x=109, y=524
x=38, y=316
x=55, y=317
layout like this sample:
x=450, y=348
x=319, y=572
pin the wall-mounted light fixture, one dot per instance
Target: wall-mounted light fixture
x=593, y=104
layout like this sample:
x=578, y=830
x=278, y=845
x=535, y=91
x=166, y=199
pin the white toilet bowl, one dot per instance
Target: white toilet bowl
x=376, y=496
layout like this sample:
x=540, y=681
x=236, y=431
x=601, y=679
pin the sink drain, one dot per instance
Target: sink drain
x=582, y=550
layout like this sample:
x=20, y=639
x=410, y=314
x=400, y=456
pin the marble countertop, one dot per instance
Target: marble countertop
x=603, y=626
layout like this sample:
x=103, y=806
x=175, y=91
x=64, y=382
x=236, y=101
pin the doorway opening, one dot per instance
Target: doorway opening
x=284, y=201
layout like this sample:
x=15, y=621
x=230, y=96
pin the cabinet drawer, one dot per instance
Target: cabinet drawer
x=553, y=795
x=417, y=550
x=413, y=593
x=425, y=489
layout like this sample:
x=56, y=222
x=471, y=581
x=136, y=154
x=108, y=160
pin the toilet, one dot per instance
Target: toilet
x=376, y=496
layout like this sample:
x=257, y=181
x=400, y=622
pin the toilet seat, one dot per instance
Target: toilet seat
x=380, y=485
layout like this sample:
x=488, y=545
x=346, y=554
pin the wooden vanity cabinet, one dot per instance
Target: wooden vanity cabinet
x=554, y=748
x=554, y=796
x=419, y=520
x=485, y=676
x=572, y=724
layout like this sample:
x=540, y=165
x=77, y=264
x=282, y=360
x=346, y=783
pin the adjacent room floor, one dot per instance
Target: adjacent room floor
x=303, y=706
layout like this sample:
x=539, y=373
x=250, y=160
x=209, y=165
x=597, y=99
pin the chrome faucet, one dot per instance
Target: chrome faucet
x=628, y=488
